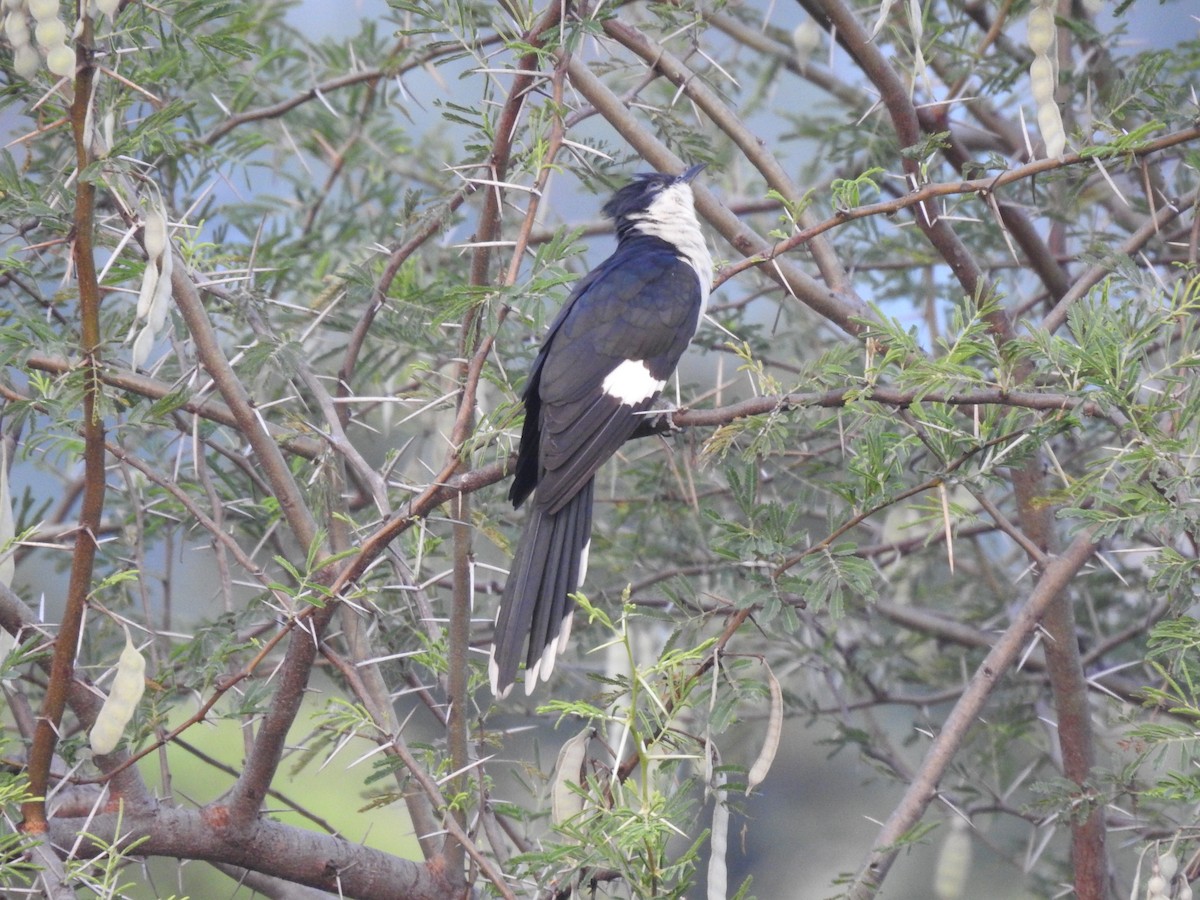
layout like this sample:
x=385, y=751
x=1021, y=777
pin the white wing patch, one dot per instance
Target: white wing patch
x=631, y=382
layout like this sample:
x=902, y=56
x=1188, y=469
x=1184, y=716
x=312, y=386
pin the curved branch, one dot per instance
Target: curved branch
x=895, y=98
x=351, y=79
x=1093, y=276
x=1054, y=580
x=323, y=861
x=212, y=410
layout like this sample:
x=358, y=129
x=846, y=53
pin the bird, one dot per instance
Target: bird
x=604, y=361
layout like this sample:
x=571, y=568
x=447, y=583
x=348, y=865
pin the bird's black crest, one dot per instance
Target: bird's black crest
x=637, y=195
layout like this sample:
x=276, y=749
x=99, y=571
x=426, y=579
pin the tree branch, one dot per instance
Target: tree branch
x=323, y=861
x=62, y=666
x=1053, y=581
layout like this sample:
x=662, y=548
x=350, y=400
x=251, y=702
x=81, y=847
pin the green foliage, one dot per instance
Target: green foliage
x=862, y=528
x=17, y=870
x=848, y=192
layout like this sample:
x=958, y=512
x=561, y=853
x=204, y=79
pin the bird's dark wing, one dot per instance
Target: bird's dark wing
x=605, y=360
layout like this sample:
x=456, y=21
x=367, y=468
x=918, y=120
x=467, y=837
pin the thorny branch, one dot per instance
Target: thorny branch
x=62, y=669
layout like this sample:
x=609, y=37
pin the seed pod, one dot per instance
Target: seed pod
x=60, y=60
x=155, y=233
x=1041, y=80
x=806, y=39
x=16, y=28
x=43, y=9
x=1168, y=865
x=149, y=286
x=1039, y=30
x=162, y=295
x=953, y=872
x=142, y=345
x=770, y=746
x=1051, y=126
x=127, y=687
x=26, y=61
x=718, y=871
x=565, y=802
x=50, y=33
x=108, y=7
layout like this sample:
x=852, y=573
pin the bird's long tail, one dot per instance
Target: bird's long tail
x=549, y=564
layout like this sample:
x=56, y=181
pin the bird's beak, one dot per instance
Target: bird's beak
x=691, y=173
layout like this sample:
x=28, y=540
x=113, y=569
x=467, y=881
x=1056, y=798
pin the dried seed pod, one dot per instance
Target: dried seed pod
x=806, y=39
x=142, y=345
x=565, y=802
x=149, y=286
x=718, y=871
x=155, y=233
x=127, y=687
x=108, y=7
x=1168, y=865
x=162, y=295
x=770, y=746
x=953, y=872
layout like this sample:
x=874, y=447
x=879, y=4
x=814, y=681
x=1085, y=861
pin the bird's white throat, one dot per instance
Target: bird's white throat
x=672, y=217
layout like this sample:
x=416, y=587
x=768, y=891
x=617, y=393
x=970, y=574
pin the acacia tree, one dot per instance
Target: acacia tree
x=269, y=300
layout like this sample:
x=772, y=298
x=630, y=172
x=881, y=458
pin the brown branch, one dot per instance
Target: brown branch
x=62, y=666
x=351, y=79
x=758, y=40
x=838, y=397
x=474, y=351
x=1093, y=276
x=429, y=227
x=247, y=795
x=1069, y=688
x=896, y=100
x=1007, y=649
x=249, y=424
x=298, y=855
x=985, y=187
x=212, y=410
